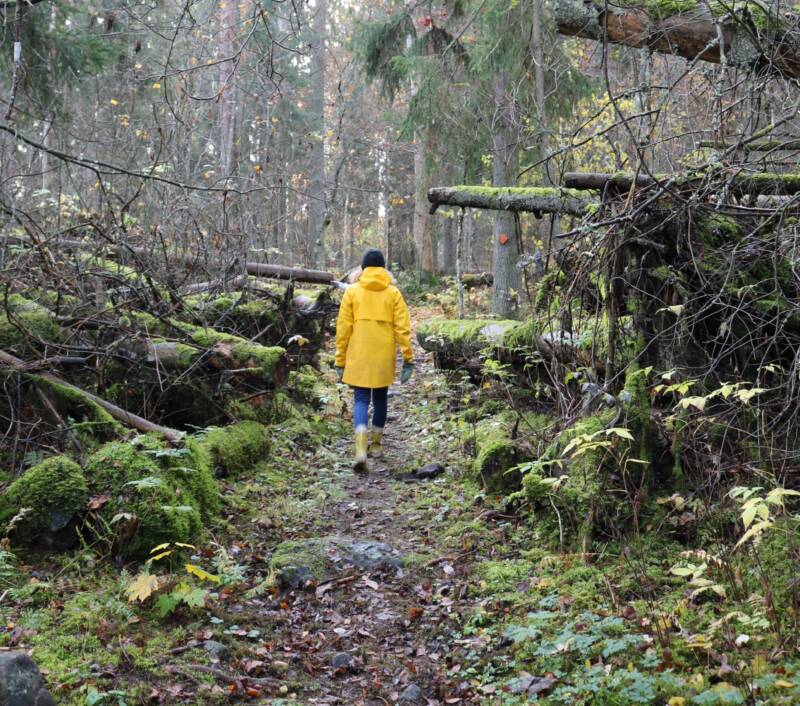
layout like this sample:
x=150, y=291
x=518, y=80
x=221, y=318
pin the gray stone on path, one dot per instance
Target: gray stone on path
x=341, y=660
x=320, y=558
x=412, y=694
x=217, y=650
x=430, y=470
x=21, y=683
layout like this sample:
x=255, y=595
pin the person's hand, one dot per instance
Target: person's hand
x=339, y=372
x=405, y=374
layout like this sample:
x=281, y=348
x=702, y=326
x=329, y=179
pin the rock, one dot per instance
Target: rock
x=412, y=694
x=430, y=470
x=21, y=683
x=341, y=660
x=320, y=558
x=217, y=651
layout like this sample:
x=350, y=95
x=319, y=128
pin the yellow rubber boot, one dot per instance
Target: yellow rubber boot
x=375, y=446
x=360, y=463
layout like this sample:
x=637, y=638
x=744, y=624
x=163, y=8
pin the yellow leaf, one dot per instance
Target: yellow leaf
x=697, y=402
x=676, y=701
x=161, y=555
x=185, y=546
x=202, y=574
x=157, y=85
x=783, y=684
x=142, y=588
x=113, y=101
x=159, y=548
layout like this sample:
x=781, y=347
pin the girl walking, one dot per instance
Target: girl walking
x=373, y=321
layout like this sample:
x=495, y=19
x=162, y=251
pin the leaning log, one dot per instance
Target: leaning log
x=536, y=200
x=754, y=37
x=121, y=415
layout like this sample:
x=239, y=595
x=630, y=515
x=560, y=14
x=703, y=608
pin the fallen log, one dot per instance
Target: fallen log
x=255, y=269
x=739, y=182
x=534, y=200
x=467, y=343
x=121, y=415
x=753, y=36
x=775, y=144
x=473, y=280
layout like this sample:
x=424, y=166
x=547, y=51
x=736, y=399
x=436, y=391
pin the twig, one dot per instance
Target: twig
x=230, y=678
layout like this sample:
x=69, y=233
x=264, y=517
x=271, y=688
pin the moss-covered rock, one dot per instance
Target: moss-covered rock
x=575, y=484
x=237, y=448
x=320, y=558
x=23, y=323
x=499, y=443
x=53, y=493
x=166, y=494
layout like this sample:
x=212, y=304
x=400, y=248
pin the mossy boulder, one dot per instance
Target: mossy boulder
x=500, y=443
x=574, y=484
x=23, y=323
x=319, y=558
x=54, y=494
x=235, y=449
x=164, y=494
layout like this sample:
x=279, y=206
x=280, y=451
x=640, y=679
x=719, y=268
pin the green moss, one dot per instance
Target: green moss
x=297, y=560
x=170, y=492
x=93, y=424
x=264, y=359
x=24, y=322
x=717, y=229
x=237, y=448
x=523, y=191
x=499, y=577
x=546, y=288
x=495, y=454
x=54, y=492
x=580, y=492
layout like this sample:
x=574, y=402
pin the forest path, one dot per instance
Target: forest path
x=382, y=635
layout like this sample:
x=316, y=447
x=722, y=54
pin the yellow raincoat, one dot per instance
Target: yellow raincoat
x=373, y=321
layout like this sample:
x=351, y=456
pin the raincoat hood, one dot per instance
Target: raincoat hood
x=375, y=278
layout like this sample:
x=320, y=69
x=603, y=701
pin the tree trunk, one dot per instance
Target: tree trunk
x=691, y=35
x=229, y=16
x=423, y=237
x=347, y=235
x=448, y=246
x=316, y=196
x=505, y=293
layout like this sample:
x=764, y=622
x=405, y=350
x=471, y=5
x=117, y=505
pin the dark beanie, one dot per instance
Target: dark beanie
x=372, y=258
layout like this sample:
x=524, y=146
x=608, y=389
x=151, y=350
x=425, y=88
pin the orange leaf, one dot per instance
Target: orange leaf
x=503, y=238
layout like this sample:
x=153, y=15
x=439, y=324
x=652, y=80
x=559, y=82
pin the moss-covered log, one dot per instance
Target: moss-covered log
x=754, y=36
x=517, y=199
x=740, y=182
x=473, y=280
x=465, y=343
x=26, y=325
x=237, y=448
x=121, y=415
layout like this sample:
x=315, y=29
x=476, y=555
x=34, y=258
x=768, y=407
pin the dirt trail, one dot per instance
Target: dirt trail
x=380, y=636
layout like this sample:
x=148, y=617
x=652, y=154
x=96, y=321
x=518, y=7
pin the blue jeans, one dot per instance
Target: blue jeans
x=379, y=397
